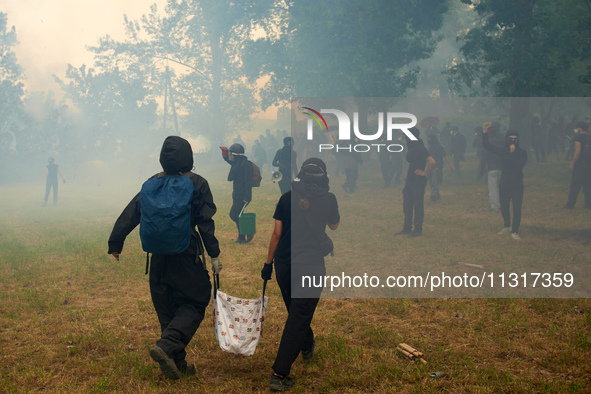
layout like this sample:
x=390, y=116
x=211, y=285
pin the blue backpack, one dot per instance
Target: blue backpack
x=165, y=208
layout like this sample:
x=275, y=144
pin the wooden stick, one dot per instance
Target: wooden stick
x=404, y=352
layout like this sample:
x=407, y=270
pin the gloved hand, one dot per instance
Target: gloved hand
x=267, y=271
x=224, y=152
x=216, y=265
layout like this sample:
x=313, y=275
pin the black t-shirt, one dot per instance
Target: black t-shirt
x=416, y=156
x=52, y=171
x=298, y=239
x=585, y=156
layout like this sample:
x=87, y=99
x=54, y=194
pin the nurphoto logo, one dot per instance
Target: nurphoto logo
x=344, y=135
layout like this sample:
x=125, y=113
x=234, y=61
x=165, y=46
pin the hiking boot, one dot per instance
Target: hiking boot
x=279, y=384
x=308, y=355
x=249, y=238
x=187, y=369
x=167, y=365
x=505, y=230
x=515, y=236
x=403, y=232
x=240, y=240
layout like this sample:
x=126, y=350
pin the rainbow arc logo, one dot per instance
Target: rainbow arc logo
x=316, y=118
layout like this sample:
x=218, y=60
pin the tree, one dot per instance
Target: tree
x=201, y=41
x=347, y=48
x=12, y=119
x=525, y=48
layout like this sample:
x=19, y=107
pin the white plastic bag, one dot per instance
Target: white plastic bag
x=238, y=322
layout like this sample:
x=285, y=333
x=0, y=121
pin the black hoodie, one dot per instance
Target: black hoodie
x=176, y=157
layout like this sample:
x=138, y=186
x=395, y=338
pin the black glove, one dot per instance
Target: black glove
x=267, y=271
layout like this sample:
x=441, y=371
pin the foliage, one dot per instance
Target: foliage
x=526, y=48
x=346, y=48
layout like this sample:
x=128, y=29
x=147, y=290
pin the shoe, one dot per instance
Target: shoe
x=187, y=370
x=504, y=230
x=403, y=232
x=249, y=238
x=568, y=207
x=308, y=355
x=278, y=384
x=240, y=240
x=515, y=236
x=415, y=234
x=167, y=365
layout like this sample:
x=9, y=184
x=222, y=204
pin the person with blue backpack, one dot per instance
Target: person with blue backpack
x=174, y=210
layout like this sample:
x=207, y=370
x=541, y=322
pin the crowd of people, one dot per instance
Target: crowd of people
x=180, y=284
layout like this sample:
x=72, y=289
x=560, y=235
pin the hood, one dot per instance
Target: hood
x=176, y=155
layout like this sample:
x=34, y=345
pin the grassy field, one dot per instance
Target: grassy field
x=72, y=319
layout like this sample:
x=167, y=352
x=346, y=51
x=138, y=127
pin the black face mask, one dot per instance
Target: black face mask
x=512, y=140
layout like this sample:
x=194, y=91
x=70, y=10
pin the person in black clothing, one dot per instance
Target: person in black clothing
x=513, y=159
x=436, y=176
x=51, y=180
x=301, y=217
x=580, y=167
x=413, y=194
x=477, y=144
x=241, y=176
x=179, y=284
x=286, y=160
x=458, y=148
x=537, y=140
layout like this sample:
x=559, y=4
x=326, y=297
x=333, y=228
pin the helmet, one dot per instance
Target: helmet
x=236, y=149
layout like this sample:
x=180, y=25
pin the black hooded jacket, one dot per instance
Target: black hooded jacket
x=511, y=163
x=241, y=176
x=176, y=157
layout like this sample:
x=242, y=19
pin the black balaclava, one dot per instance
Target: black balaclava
x=311, y=181
x=512, y=138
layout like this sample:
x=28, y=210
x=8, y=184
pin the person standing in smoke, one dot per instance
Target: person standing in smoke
x=51, y=180
x=297, y=249
x=537, y=140
x=286, y=159
x=413, y=194
x=513, y=159
x=436, y=176
x=458, y=148
x=493, y=166
x=580, y=167
x=241, y=177
x=477, y=144
x=259, y=154
x=351, y=163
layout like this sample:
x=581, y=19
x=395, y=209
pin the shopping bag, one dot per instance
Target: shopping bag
x=238, y=322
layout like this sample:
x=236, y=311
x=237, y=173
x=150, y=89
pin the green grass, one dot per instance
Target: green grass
x=72, y=319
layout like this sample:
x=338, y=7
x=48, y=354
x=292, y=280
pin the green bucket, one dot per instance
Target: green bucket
x=247, y=223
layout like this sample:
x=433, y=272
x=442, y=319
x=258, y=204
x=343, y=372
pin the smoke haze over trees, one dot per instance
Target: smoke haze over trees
x=205, y=68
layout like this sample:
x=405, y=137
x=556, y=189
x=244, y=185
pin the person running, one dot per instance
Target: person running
x=53, y=170
x=297, y=248
x=179, y=283
x=513, y=159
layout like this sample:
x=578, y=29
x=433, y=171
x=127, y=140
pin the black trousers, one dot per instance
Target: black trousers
x=511, y=193
x=237, y=206
x=48, y=185
x=181, y=291
x=581, y=179
x=285, y=182
x=351, y=179
x=413, y=198
x=297, y=333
